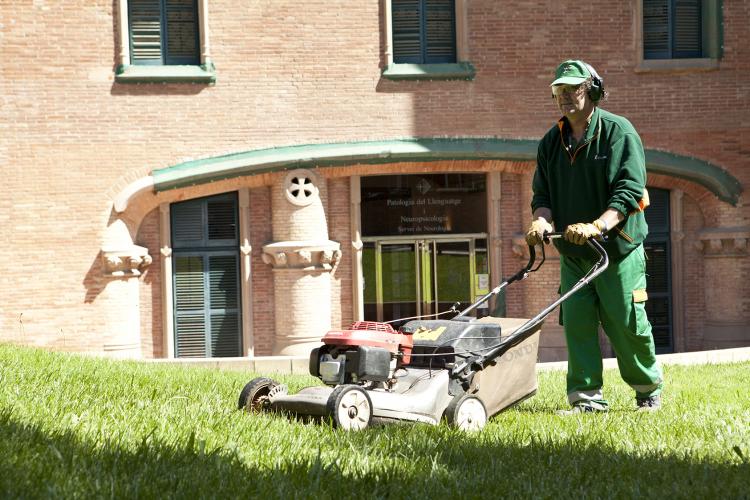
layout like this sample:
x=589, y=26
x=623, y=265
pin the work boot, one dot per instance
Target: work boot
x=581, y=407
x=651, y=403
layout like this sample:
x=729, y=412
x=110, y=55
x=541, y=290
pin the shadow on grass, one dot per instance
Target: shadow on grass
x=438, y=462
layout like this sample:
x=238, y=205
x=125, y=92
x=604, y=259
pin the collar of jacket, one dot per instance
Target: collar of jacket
x=591, y=133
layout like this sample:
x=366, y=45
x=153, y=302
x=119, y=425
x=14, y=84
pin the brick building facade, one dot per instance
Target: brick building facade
x=124, y=172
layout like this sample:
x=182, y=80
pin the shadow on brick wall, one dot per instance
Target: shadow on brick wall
x=94, y=279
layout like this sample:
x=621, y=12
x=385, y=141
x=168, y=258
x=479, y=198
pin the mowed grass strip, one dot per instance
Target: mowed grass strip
x=74, y=426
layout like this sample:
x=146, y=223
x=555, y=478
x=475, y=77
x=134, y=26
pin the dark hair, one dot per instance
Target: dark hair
x=588, y=83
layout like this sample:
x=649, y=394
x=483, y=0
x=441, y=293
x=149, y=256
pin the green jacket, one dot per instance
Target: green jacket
x=606, y=170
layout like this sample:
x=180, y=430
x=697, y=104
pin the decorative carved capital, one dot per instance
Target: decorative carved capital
x=723, y=242
x=275, y=259
x=120, y=257
x=125, y=262
x=303, y=255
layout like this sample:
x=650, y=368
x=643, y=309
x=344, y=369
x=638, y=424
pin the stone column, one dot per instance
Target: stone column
x=358, y=307
x=677, y=239
x=122, y=263
x=303, y=259
x=167, y=292
x=494, y=237
x=726, y=288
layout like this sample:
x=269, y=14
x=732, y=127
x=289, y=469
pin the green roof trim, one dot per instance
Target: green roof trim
x=331, y=155
x=260, y=161
x=717, y=180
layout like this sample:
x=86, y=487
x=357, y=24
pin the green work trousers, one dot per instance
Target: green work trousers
x=616, y=299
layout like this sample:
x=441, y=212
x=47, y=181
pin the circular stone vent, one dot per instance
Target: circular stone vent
x=299, y=187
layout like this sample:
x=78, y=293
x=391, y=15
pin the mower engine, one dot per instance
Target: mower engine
x=367, y=352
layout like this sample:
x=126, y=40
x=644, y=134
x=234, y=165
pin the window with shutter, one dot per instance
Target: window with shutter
x=658, y=270
x=672, y=29
x=164, y=32
x=206, y=277
x=190, y=317
x=424, y=31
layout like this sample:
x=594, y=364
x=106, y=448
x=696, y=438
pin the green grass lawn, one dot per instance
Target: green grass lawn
x=73, y=426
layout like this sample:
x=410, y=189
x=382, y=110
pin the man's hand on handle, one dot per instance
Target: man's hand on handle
x=581, y=232
x=535, y=234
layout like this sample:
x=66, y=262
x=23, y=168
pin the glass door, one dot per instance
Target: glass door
x=425, y=276
x=398, y=289
x=452, y=277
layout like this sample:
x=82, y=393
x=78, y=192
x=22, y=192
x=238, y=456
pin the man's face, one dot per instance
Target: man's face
x=571, y=99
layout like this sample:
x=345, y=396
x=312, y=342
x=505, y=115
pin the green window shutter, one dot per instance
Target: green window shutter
x=407, y=31
x=190, y=317
x=207, y=299
x=672, y=29
x=659, y=269
x=206, y=277
x=222, y=221
x=206, y=222
x=144, y=17
x=687, y=29
x=223, y=272
x=656, y=40
x=187, y=224
x=424, y=31
x=224, y=302
x=657, y=214
x=440, y=27
x=164, y=32
x=183, y=45
x=659, y=304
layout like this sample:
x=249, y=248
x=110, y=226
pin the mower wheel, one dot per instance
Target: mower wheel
x=254, y=396
x=467, y=413
x=350, y=407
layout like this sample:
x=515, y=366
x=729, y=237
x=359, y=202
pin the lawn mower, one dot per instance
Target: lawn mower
x=463, y=369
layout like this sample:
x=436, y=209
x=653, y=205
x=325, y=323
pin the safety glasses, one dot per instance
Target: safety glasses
x=559, y=90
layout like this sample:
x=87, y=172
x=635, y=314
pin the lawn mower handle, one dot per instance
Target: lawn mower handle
x=527, y=328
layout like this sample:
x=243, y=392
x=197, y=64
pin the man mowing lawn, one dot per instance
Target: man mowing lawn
x=591, y=167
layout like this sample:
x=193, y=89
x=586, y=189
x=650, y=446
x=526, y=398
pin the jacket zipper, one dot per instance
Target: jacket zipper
x=573, y=158
x=580, y=146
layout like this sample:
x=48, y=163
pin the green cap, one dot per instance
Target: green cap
x=571, y=73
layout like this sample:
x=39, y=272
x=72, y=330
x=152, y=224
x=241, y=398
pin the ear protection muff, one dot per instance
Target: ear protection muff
x=597, y=84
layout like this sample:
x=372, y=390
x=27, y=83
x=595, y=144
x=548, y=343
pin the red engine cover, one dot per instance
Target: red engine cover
x=373, y=334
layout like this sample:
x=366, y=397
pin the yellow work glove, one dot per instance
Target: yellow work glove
x=535, y=234
x=581, y=232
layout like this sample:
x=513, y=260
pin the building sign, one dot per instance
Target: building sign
x=405, y=205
